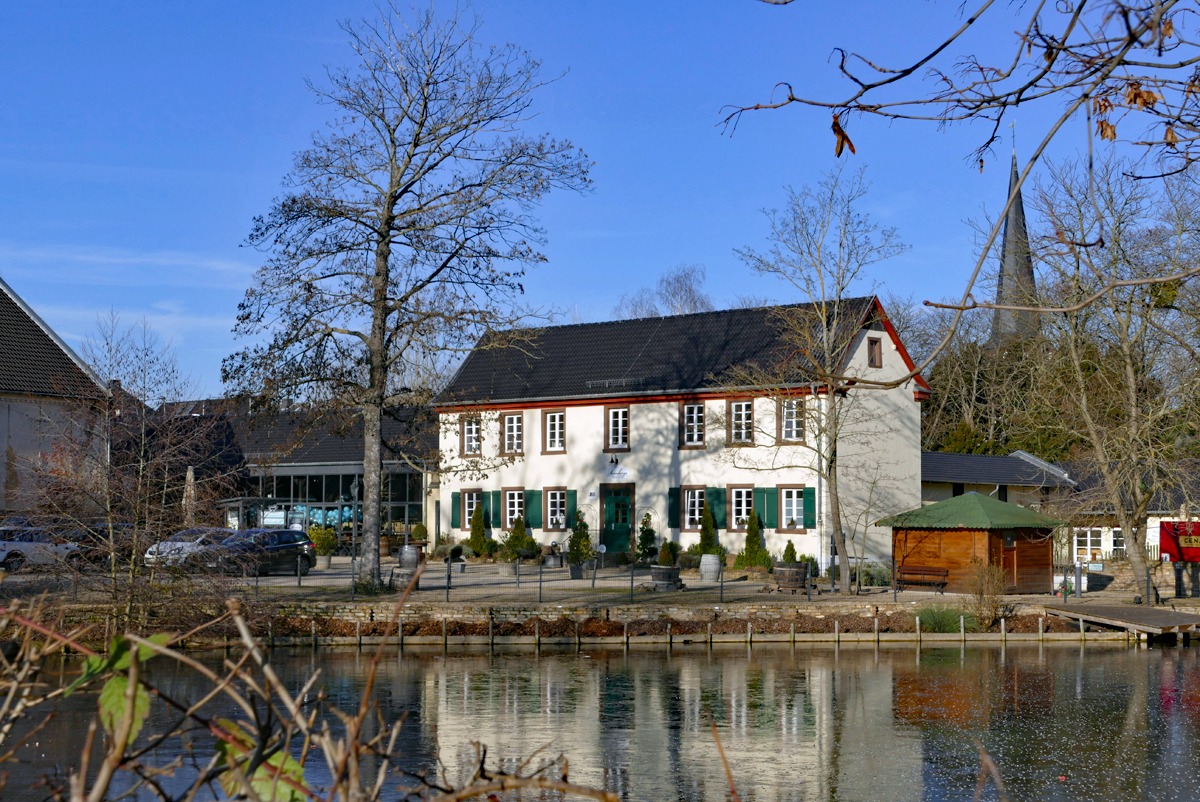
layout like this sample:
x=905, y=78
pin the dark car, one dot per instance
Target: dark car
x=259, y=552
x=99, y=540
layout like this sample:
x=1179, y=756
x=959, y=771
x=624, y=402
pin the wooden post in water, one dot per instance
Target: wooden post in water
x=1003, y=630
x=537, y=634
x=358, y=634
x=626, y=636
x=1041, y=628
x=877, y=629
x=270, y=634
x=710, y=634
x=314, y=632
x=749, y=632
x=670, y=636
x=1082, y=636
x=579, y=642
x=491, y=640
x=443, y=634
x=918, y=618
x=962, y=628
x=837, y=631
x=794, y=630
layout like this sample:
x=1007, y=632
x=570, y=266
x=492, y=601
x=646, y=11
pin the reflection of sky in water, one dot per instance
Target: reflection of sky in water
x=816, y=724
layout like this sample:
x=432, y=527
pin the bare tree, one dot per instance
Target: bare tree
x=821, y=247
x=679, y=292
x=1117, y=62
x=120, y=467
x=1119, y=376
x=405, y=228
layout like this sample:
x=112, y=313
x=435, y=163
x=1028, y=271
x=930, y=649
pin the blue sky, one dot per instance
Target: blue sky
x=138, y=141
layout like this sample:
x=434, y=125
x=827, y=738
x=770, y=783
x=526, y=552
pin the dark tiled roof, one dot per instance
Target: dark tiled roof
x=295, y=438
x=977, y=469
x=628, y=357
x=33, y=360
x=1178, y=487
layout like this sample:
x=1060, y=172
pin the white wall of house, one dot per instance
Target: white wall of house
x=879, y=455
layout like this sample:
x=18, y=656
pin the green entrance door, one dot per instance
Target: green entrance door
x=617, y=518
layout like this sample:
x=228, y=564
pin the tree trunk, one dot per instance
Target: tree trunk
x=1135, y=549
x=372, y=415
x=835, y=520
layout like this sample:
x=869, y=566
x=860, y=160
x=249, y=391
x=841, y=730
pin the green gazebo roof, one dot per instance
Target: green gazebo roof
x=970, y=511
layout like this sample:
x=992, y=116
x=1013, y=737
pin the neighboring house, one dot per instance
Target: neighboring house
x=627, y=418
x=1019, y=478
x=295, y=470
x=42, y=382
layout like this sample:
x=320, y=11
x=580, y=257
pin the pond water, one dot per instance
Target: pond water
x=856, y=723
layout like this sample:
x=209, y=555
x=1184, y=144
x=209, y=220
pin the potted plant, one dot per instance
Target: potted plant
x=517, y=545
x=711, y=552
x=326, y=542
x=647, y=539
x=666, y=574
x=579, y=546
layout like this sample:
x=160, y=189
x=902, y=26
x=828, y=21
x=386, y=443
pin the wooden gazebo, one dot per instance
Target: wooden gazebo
x=941, y=541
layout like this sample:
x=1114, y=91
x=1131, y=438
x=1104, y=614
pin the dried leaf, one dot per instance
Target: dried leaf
x=1106, y=130
x=843, y=141
x=1168, y=28
x=1170, y=137
x=981, y=166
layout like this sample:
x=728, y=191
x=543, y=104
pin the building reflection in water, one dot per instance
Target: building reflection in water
x=810, y=724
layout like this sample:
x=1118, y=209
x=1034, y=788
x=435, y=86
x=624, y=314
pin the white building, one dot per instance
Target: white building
x=627, y=418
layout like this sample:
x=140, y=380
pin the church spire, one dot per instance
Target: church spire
x=1015, y=285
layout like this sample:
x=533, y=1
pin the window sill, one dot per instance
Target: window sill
x=694, y=447
x=616, y=449
x=554, y=452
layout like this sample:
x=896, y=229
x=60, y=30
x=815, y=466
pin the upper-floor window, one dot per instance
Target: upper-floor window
x=514, y=507
x=471, y=437
x=741, y=422
x=693, y=425
x=514, y=433
x=742, y=502
x=693, y=507
x=791, y=419
x=556, y=509
x=616, y=435
x=874, y=352
x=554, y=430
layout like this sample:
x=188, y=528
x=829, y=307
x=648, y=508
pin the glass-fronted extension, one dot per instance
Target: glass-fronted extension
x=325, y=496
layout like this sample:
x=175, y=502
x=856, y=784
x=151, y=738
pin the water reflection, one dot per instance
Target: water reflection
x=813, y=724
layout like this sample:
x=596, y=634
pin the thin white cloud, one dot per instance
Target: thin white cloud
x=119, y=257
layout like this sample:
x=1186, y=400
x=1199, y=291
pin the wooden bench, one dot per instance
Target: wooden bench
x=919, y=575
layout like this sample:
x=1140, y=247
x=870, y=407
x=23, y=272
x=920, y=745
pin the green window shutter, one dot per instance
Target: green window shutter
x=572, y=504
x=715, y=496
x=760, y=504
x=810, y=507
x=771, y=519
x=456, y=510
x=673, y=508
x=497, y=510
x=533, y=509
x=485, y=501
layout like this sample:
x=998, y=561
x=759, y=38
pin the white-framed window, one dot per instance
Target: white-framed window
x=741, y=421
x=514, y=433
x=693, y=424
x=471, y=439
x=618, y=427
x=556, y=431
x=514, y=506
x=791, y=501
x=1118, y=543
x=1088, y=544
x=791, y=419
x=556, y=509
x=693, y=507
x=471, y=500
x=742, y=502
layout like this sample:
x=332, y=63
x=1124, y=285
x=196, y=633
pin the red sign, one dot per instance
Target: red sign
x=1179, y=540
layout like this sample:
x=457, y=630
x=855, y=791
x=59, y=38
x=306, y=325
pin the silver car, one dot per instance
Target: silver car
x=28, y=545
x=181, y=545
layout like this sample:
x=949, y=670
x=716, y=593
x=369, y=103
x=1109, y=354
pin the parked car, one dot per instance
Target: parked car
x=98, y=539
x=259, y=551
x=21, y=545
x=181, y=545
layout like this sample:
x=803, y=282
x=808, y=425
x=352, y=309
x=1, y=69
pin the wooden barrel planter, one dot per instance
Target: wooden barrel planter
x=791, y=576
x=665, y=577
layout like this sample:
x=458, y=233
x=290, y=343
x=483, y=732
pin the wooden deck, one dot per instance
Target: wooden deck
x=1155, y=621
